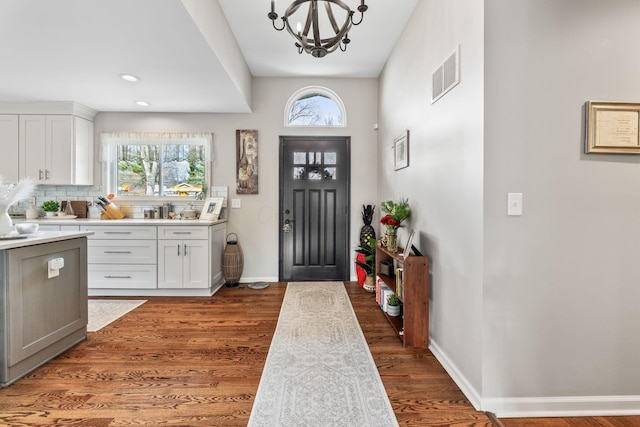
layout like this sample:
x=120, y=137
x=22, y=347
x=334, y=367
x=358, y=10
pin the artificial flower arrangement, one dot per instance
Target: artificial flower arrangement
x=396, y=212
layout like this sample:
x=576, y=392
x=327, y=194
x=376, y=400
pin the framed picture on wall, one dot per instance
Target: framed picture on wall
x=211, y=209
x=401, y=151
x=612, y=127
x=247, y=161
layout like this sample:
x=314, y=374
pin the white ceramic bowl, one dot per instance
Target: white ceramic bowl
x=26, y=227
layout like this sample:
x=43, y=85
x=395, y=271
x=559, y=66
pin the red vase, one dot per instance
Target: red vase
x=359, y=270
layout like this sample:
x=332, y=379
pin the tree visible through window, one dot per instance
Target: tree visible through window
x=315, y=107
x=156, y=167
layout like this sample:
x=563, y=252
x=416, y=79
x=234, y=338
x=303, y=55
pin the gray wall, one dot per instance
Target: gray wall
x=531, y=315
x=561, y=282
x=256, y=223
x=444, y=179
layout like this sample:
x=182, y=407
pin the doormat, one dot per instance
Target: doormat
x=103, y=311
x=319, y=370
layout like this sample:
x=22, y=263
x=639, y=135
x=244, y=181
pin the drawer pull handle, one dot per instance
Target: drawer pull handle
x=117, y=277
x=117, y=252
x=181, y=232
x=117, y=232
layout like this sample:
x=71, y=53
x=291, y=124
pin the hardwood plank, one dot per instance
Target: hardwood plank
x=197, y=362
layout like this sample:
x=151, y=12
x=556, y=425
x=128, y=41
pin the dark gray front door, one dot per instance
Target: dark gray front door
x=314, y=208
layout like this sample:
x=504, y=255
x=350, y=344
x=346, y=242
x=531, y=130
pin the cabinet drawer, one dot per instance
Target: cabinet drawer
x=106, y=276
x=120, y=232
x=122, y=251
x=183, y=232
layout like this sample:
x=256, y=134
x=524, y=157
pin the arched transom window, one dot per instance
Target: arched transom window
x=315, y=106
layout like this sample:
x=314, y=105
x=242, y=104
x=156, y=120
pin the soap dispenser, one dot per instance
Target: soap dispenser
x=32, y=212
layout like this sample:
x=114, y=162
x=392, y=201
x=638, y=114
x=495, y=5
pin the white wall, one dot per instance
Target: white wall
x=444, y=179
x=533, y=315
x=256, y=223
x=561, y=283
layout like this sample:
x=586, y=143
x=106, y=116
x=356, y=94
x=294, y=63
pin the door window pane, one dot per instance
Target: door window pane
x=330, y=158
x=329, y=173
x=314, y=173
x=315, y=158
x=300, y=158
x=299, y=172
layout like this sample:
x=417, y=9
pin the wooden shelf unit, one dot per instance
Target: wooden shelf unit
x=412, y=326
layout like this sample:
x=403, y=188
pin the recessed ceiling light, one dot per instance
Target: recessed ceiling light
x=142, y=103
x=129, y=77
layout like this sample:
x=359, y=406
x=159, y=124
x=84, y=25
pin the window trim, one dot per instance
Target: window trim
x=110, y=140
x=315, y=90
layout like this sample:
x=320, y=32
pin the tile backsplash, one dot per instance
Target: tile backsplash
x=131, y=209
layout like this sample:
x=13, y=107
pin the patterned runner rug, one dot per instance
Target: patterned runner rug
x=103, y=311
x=319, y=370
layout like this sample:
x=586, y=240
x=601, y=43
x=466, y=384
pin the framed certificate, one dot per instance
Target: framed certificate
x=612, y=128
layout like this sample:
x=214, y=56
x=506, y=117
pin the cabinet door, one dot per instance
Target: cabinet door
x=170, y=263
x=60, y=161
x=83, y=146
x=33, y=155
x=195, y=264
x=9, y=137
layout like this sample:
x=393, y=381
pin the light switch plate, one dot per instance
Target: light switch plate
x=514, y=204
x=236, y=203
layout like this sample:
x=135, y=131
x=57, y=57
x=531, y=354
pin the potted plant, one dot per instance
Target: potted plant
x=368, y=249
x=50, y=207
x=393, y=306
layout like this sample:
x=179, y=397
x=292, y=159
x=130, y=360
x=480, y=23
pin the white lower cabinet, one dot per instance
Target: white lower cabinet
x=183, y=264
x=155, y=260
x=122, y=257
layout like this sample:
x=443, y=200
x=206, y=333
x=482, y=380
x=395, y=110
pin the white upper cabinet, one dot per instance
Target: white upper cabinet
x=9, y=143
x=53, y=142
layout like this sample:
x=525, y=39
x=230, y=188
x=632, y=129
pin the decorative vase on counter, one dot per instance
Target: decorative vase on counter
x=32, y=212
x=6, y=225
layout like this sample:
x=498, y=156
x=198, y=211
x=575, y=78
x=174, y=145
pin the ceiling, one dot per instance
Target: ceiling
x=191, y=55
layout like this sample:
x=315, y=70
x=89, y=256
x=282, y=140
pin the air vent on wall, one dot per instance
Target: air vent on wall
x=446, y=77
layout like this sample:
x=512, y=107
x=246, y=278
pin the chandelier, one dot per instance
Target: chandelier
x=309, y=38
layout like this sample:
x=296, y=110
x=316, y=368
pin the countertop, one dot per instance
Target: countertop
x=124, y=221
x=40, y=237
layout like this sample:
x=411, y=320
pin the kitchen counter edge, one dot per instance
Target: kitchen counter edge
x=42, y=237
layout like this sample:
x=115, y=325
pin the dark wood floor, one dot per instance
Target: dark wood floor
x=198, y=361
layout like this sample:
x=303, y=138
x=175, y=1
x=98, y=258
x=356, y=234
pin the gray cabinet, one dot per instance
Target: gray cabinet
x=40, y=316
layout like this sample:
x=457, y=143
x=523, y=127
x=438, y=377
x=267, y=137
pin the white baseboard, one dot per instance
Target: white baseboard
x=461, y=381
x=569, y=406
x=524, y=407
